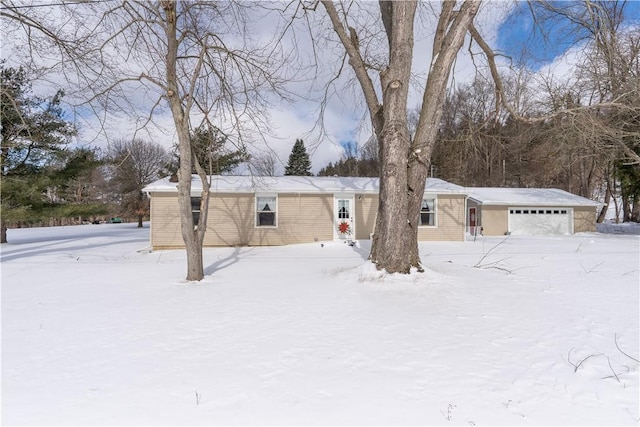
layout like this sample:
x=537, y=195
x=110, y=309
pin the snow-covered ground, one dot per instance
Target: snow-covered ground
x=518, y=331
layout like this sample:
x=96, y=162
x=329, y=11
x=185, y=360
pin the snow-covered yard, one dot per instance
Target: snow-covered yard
x=515, y=331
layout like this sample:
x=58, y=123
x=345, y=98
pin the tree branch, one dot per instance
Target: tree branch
x=356, y=61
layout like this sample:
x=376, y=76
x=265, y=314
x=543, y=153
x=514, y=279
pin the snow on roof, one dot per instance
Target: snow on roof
x=527, y=197
x=339, y=184
x=294, y=184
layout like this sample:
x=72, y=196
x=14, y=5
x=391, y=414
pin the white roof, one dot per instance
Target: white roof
x=294, y=184
x=527, y=197
x=332, y=184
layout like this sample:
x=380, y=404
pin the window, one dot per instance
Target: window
x=343, y=209
x=195, y=210
x=266, y=211
x=428, y=212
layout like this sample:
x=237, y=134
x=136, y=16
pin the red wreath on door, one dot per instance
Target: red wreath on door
x=343, y=227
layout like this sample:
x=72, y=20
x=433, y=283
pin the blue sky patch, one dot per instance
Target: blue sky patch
x=536, y=44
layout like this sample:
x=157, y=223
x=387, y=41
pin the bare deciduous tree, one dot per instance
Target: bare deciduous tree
x=404, y=160
x=196, y=57
x=592, y=121
x=264, y=164
x=135, y=163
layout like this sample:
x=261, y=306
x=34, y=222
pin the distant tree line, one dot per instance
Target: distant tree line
x=581, y=134
x=356, y=161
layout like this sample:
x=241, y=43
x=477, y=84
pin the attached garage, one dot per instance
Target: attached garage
x=529, y=211
x=532, y=221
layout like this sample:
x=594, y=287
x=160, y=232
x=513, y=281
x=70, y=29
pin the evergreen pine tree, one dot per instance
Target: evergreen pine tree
x=33, y=154
x=299, y=163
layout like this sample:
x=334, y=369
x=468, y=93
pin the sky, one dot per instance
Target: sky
x=506, y=25
x=540, y=44
x=522, y=39
x=523, y=331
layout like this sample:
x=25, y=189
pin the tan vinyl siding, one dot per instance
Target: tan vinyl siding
x=165, y=223
x=366, y=211
x=584, y=219
x=231, y=220
x=495, y=220
x=450, y=219
x=300, y=218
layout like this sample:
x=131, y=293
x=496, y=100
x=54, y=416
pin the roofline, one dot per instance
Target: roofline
x=169, y=188
x=525, y=204
x=294, y=191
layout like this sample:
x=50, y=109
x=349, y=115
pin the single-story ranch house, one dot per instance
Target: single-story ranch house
x=255, y=211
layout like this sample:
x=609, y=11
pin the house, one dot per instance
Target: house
x=529, y=211
x=271, y=211
x=254, y=211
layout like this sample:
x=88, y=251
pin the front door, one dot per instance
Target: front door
x=472, y=221
x=343, y=218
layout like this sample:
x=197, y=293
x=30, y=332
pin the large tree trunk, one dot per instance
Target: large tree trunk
x=389, y=246
x=450, y=34
x=192, y=235
x=404, y=163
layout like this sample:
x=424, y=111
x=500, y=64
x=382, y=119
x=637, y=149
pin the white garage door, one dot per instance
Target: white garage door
x=528, y=221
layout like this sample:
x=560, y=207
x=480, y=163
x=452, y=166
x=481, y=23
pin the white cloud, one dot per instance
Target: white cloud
x=345, y=117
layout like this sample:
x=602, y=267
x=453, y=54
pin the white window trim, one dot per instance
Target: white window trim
x=255, y=210
x=435, y=208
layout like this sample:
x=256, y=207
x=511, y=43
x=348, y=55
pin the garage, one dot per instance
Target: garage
x=540, y=221
x=528, y=211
